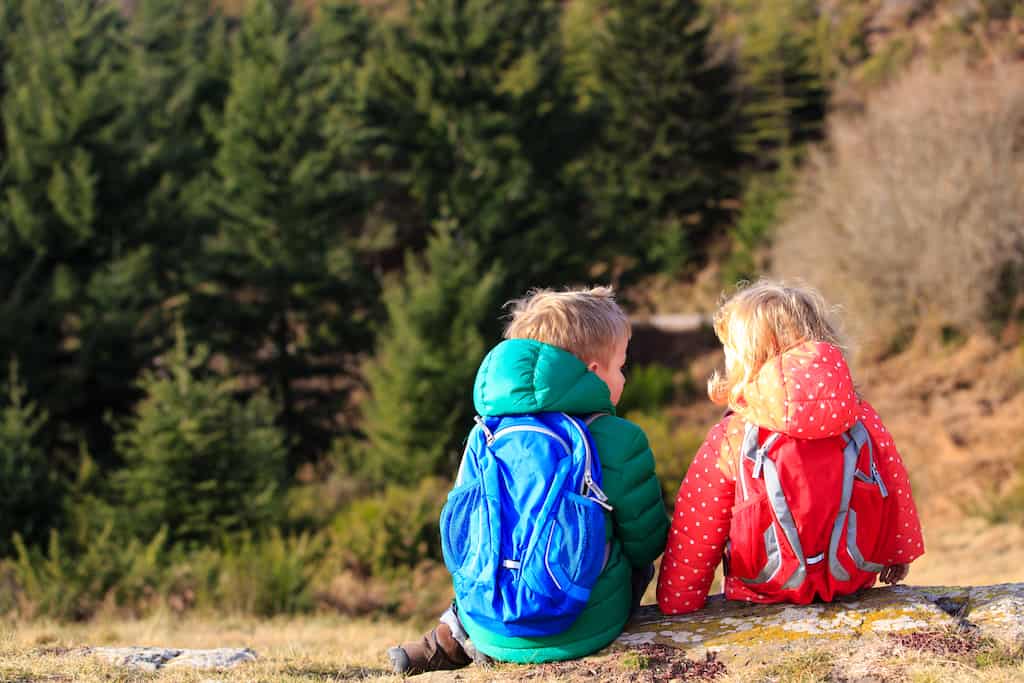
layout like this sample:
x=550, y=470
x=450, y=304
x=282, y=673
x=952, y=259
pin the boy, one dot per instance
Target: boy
x=564, y=352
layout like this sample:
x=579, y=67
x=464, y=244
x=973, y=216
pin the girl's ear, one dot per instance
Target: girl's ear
x=593, y=366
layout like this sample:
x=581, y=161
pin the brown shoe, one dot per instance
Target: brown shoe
x=436, y=651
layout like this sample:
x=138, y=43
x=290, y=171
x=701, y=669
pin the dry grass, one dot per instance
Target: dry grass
x=911, y=213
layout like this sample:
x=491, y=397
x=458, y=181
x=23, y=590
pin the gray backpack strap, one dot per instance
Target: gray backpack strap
x=855, y=439
x=764, y=468
x=873, y=476
x=755, y=453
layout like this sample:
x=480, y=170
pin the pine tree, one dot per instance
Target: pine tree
x=784, y=96
x=27, y=485
x=421, y=376
x=63, y=138
x=668, y=154
x=474, y=120
x=103, y=134
x=196, y=459
x=287, y=283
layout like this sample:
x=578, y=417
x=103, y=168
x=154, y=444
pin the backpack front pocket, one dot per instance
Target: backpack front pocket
x=569, y=555
x=754, y=543
x=864, y=526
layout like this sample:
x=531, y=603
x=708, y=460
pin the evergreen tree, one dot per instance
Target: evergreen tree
x=27, y=484
x=62, y=241
x=196, y=460
x=668, y=153
x=421, y=376
x=475, y=121
x=286, y=282
x=103, y=134
x=784, y=96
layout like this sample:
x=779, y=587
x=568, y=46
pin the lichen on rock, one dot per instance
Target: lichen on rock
x=739, y=629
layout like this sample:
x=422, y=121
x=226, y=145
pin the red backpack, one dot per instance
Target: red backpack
x=808, y=518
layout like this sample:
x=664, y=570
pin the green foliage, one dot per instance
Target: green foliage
x=81, y=572
x=649, y=388
x=583, y=21
x=782, y=62
x=674, y=447
x=286, y=282
x=103, y=138
x=667, y=153
x=28, y=489
x=197, y=460
x=264, y=576
x=760, y=212
x=474, y=118
x=397, y=529
x=421, y=377
x=888, y=62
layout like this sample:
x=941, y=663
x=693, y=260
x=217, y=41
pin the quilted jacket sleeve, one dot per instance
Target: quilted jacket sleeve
x=700, y=525
x=633, y=490
x=904, y=541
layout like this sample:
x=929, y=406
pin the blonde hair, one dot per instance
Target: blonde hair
x=763, y=320
x=587, y=323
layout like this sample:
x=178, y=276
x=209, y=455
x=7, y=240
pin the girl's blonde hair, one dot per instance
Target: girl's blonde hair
x=763, y=320
x=587, y=323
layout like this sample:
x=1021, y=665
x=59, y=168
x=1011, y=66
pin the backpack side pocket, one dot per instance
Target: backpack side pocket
x=465, y=531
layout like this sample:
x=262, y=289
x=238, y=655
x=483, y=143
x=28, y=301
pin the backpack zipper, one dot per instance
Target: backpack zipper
x=589, y=485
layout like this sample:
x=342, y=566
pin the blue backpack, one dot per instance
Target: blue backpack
x=523, y=531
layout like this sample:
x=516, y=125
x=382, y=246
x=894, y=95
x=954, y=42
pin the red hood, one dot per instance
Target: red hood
x=807, y=393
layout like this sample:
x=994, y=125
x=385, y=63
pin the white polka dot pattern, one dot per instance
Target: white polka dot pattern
x=806, y=392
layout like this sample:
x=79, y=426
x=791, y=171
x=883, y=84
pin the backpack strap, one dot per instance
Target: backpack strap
x=765, y=468
x=754, y=453
x=590, y=488
x=593, y=417
x=856, y=437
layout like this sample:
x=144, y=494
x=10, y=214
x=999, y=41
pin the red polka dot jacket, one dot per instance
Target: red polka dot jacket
x=806, y=392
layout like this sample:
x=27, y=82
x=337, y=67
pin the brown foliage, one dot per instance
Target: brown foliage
x=913, y=213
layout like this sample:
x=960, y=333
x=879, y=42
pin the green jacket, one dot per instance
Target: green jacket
x=525, y=376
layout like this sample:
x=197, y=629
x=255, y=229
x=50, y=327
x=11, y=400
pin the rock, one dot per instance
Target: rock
x=155, y=658
x=746, y=630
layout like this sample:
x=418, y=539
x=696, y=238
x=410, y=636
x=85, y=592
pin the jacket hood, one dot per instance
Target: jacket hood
x=806, y=392
x=527, y=376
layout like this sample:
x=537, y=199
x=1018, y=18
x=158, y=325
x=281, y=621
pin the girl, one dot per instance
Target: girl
x=799, y=487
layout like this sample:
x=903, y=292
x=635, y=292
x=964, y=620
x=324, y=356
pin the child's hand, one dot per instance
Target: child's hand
x=894, y=573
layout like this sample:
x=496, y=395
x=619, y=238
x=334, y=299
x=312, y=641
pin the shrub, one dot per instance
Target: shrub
x=397, y=529
x=86, y=570
x=649, y=388
x=674, y=447
x=421, y=592
x=914, y=210
x=27, y=485
x=198, y=460
x=761, y=204
x=249, y=575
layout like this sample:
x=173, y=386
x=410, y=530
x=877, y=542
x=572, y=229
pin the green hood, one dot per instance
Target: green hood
x=527, y=376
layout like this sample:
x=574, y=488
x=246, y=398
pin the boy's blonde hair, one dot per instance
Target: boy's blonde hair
x=763, y=320
x=587, y=323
